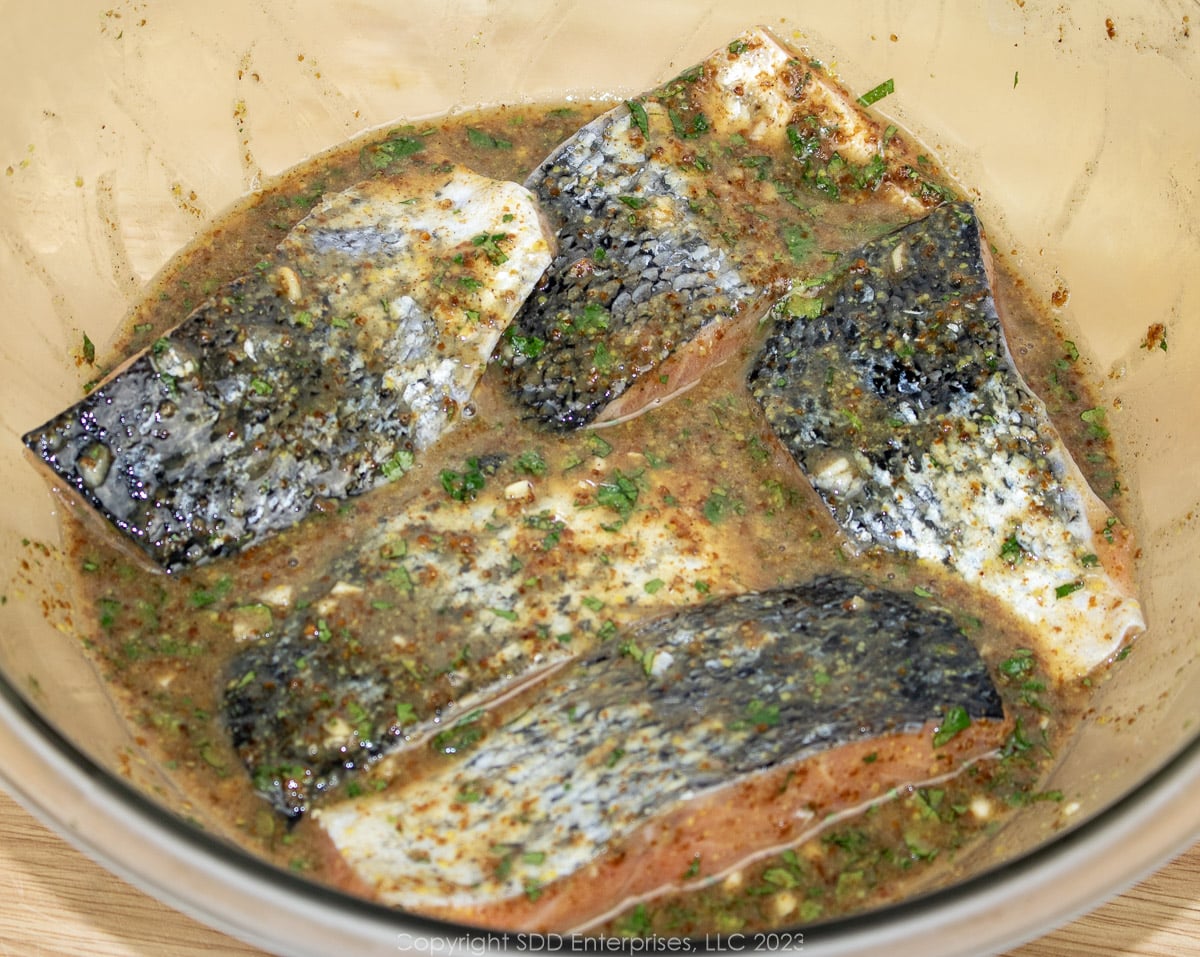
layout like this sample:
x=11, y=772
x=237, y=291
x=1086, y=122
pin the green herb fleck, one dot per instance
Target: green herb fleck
x=593, y=319
x=531, y=463
x=462, y=736
x=803, y=307
x=637, y=113
x=875, y=94
x=602, y=358
x=405, y=713
x=1020, y=664
x=720, y=504
x=399, y=463
x=546, y=522
x=464, y=486
x=1012, y=551
x=203, y=597
x=489, y=243
x=526, y=347
x=619, y=493
x=956, y=720
x=1062, y=591
x=762, y=715
x=599, y=446
x=393, y=148
x=799, y=241
x=485, y=140
x=1094, y=418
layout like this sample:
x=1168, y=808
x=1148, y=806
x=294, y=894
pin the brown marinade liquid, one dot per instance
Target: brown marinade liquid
x=163, y=642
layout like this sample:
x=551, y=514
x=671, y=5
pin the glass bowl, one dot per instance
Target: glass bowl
x=129, y=128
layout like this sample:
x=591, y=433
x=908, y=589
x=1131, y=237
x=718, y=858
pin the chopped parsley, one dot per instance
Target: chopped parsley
x=405, y=713
x=525, y=347
x=637, y=113
x=1012, y=551
x=546, y=522
x=619, y=493
x=1095, y=422
x=877, y=93
x=464, y=486
x=531, y=463
x=956, y=720
x=720, y=505
x=462, y=736
x=489, y=243
x=1062, y=591
x=485, y=140
x=397, y=146
x=203, y=597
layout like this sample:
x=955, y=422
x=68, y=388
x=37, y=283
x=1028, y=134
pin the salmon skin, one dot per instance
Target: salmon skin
x=650, y=284
x=451, y=601
x=675, y=708
x=893, y=388
x=320, y=376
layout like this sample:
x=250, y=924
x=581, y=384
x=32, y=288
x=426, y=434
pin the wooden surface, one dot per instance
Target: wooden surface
x=55, y=901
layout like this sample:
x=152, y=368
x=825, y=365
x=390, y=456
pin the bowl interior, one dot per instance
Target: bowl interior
x=1074, y=133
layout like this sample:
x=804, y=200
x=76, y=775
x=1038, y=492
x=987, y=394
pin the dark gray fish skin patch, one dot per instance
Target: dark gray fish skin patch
x=624, y=290
x=907, y=345
x=199, y=444
x=282, y=694
x=798, y=670
x=683, y=214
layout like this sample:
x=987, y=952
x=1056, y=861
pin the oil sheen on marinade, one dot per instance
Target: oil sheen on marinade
x=702, y=465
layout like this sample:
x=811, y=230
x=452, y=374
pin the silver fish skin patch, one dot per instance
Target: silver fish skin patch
x=322, y=375
x=673, y=708
x=650, y=277
x=893, y=388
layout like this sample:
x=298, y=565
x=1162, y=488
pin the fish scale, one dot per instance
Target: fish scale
x=676, y=707
x=321, y=375
x=648, y=201
x=893, y=388
x=430, y=615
